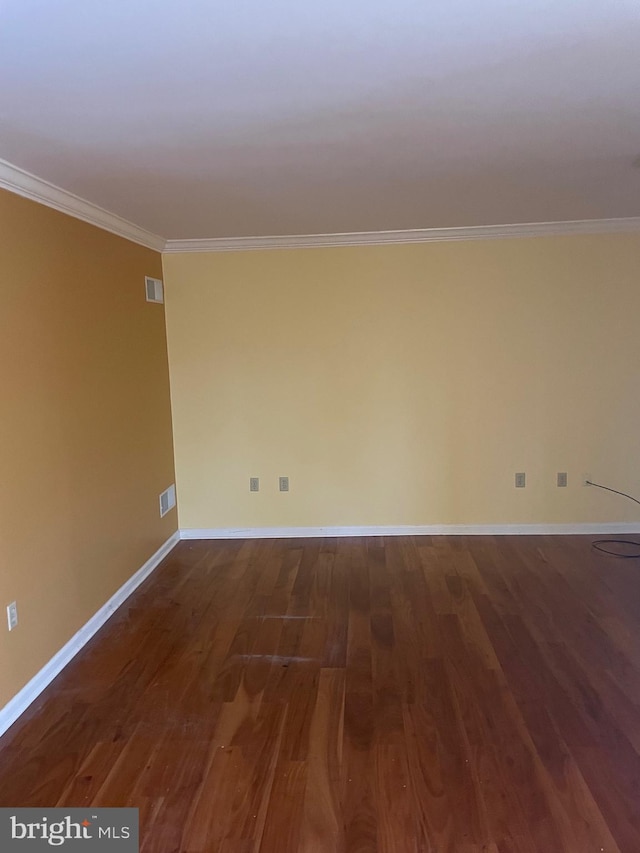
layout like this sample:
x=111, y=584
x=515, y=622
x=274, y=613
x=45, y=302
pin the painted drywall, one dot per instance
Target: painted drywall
x=406, y=384
x=85, y=431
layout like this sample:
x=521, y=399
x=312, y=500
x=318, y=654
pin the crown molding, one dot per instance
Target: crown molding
x=417, y=235
x=23, y=183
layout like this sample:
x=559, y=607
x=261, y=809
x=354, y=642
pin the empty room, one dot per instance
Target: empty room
x=320, y=431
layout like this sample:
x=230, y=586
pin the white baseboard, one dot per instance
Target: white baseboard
x=408, y=530
x=21, y=701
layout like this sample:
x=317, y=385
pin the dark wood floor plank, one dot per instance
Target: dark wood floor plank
x=337, y=619
x=445, y=803
x=397, y=819
x=400, y=695
x=322, y=827
x=283, y=826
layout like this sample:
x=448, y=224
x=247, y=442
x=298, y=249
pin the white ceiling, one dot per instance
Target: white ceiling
x=207, y=119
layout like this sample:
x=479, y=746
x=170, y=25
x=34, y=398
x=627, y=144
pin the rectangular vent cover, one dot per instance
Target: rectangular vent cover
x=155, y=291
x=167, y=500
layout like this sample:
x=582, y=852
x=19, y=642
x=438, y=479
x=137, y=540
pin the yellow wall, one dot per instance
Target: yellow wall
x=85, y=429
x=406, y=384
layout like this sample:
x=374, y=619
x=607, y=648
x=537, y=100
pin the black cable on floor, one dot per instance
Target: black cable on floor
x=599, y=543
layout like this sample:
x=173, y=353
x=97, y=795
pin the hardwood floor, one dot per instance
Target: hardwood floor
x=450, y=695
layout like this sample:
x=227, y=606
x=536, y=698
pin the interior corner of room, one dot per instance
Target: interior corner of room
x=396, y=387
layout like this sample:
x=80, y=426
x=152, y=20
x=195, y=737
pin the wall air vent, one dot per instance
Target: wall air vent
x=155, y=291
x=167, y=500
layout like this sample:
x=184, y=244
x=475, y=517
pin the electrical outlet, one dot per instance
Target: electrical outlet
x=254, y=484
x=284, y=484
x=562, y=479
x=520, y=480
x=12, y=615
